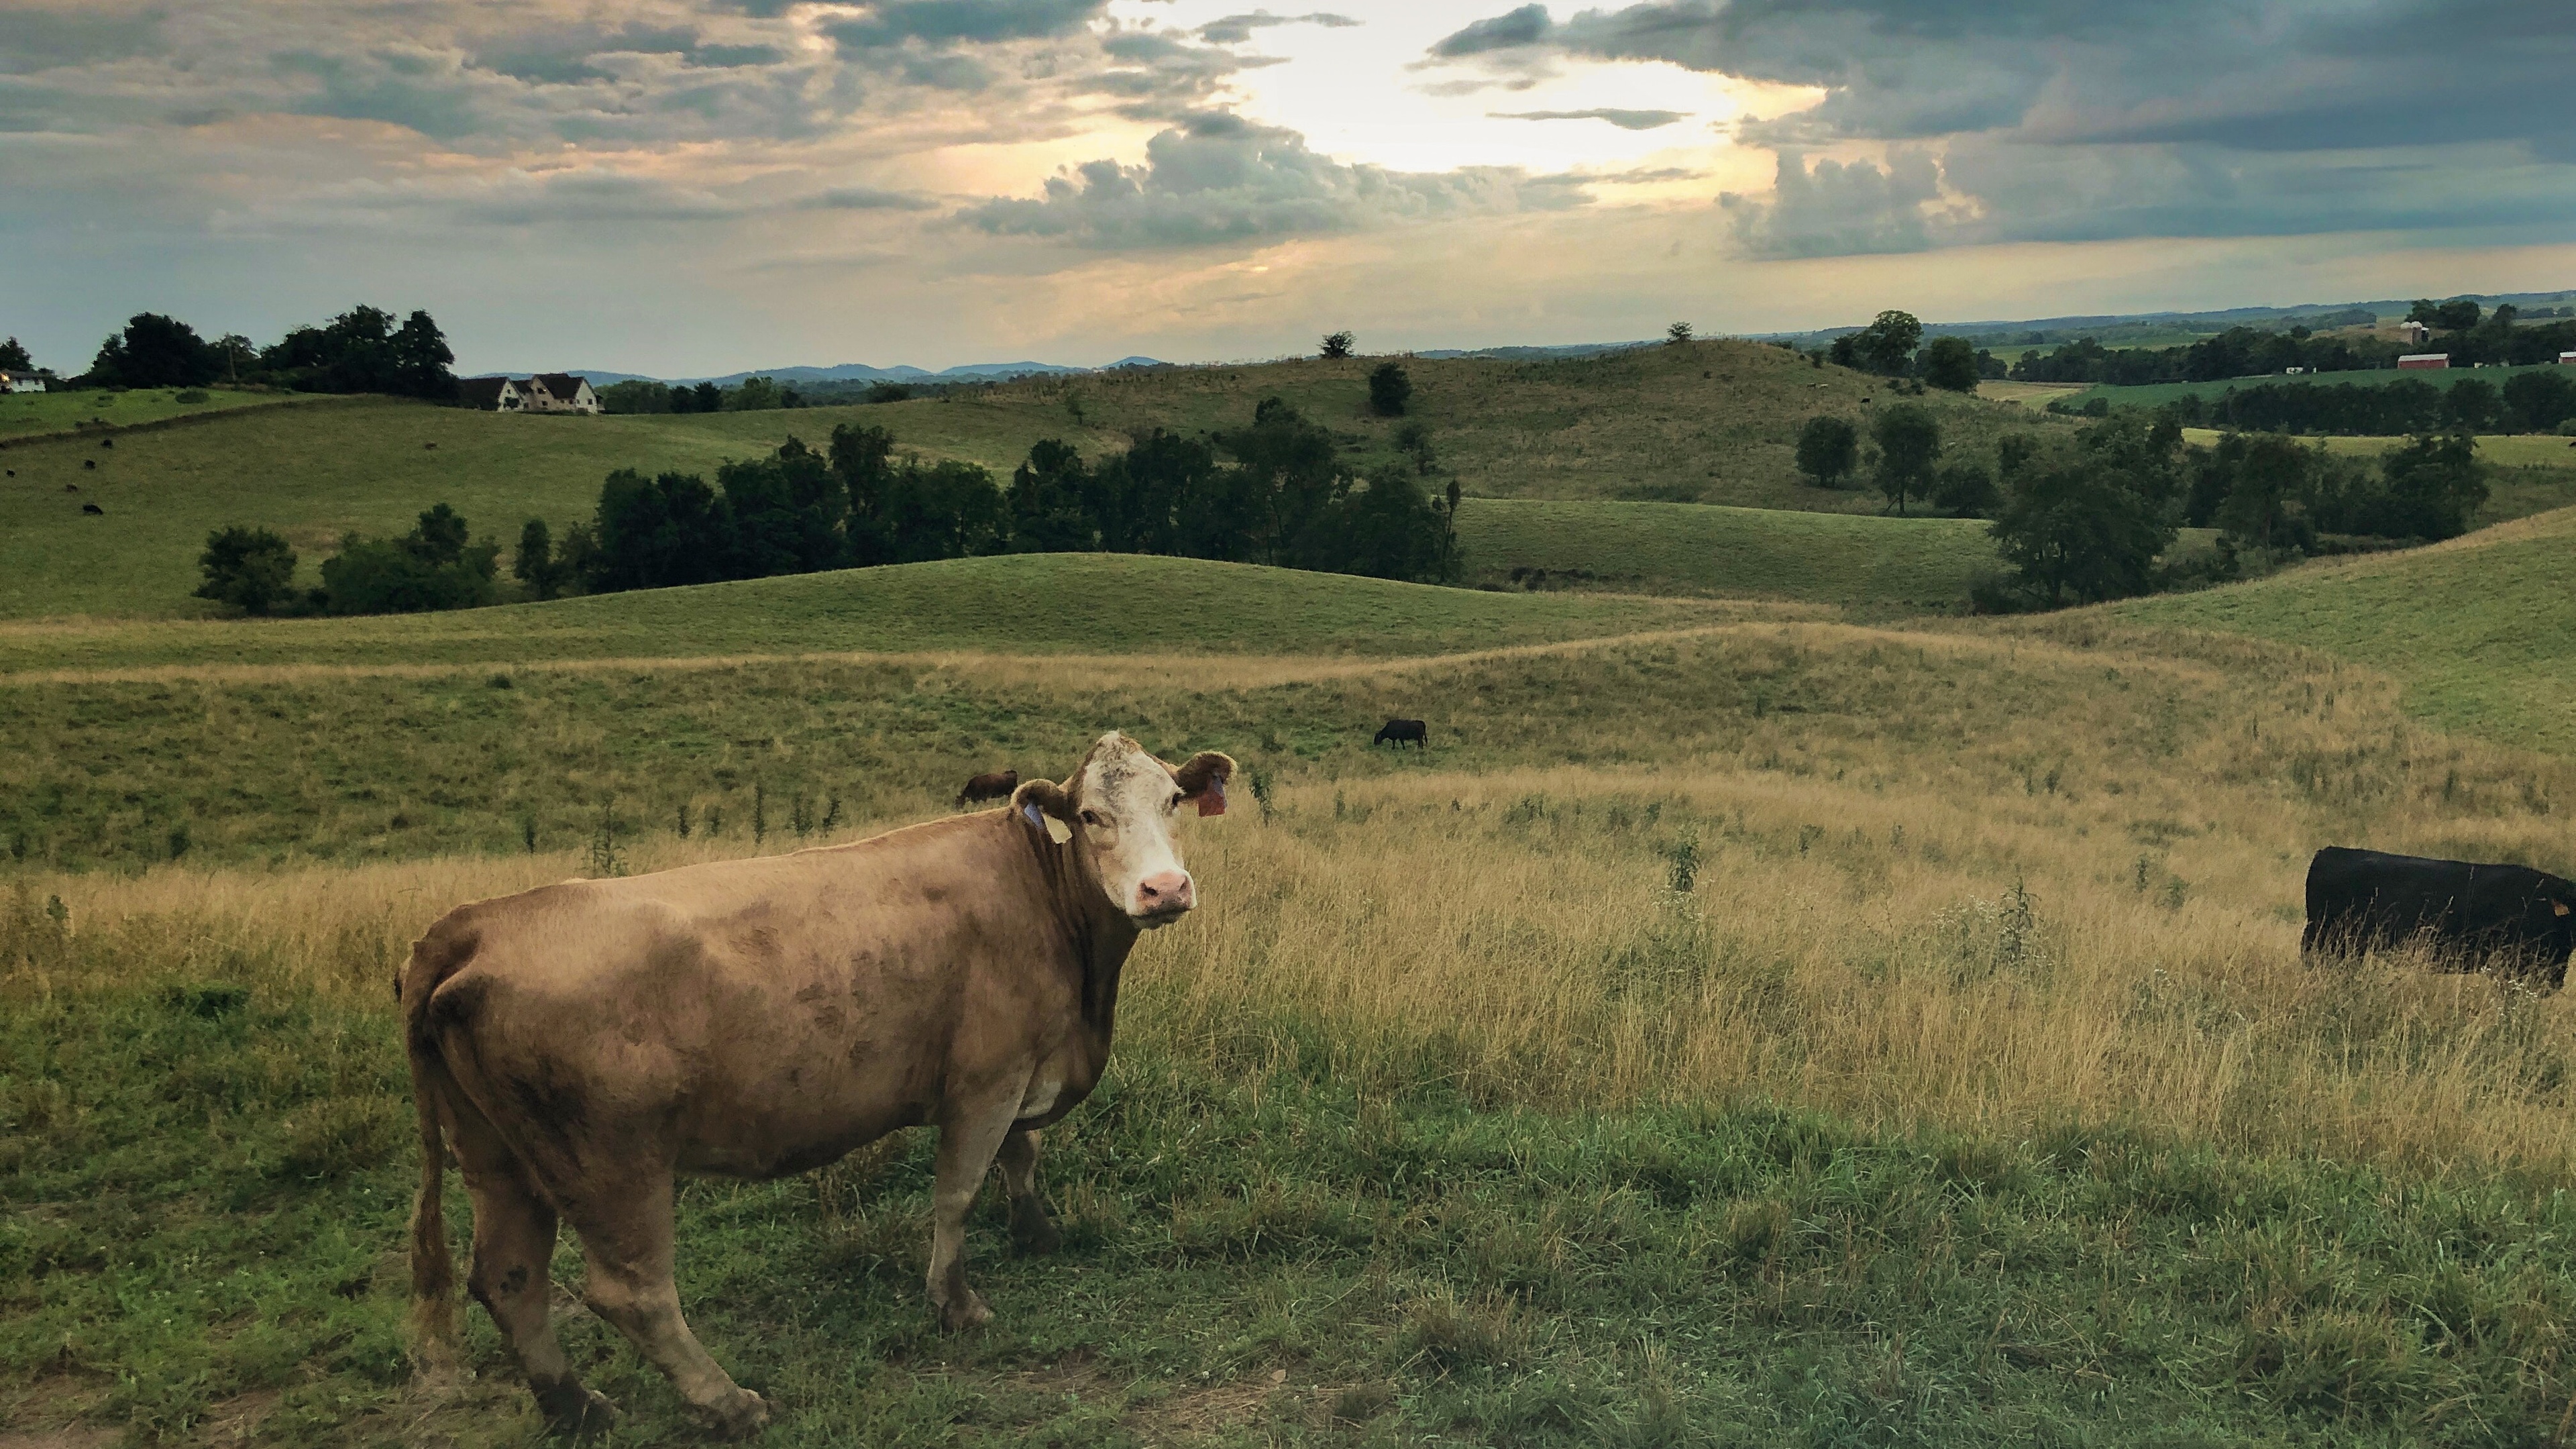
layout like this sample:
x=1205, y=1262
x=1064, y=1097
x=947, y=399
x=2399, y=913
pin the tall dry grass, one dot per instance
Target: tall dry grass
x=1987, y=883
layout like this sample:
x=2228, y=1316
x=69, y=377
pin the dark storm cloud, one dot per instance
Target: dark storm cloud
x=1222, y=178
x=1624, y=120
x=944, y=23
x=2223, y=117
x=1237, y=29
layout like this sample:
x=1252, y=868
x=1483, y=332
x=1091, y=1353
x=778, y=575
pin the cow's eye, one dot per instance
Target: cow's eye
x=1177, y=798
x=1092, y=819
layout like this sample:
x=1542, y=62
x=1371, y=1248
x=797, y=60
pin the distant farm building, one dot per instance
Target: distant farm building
x=2425, y=361
x=21, y=382
x=2415, y=333
x=2567, y=359
x=547, y=392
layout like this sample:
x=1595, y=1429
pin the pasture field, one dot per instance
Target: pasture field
x=2157, y=394
x=26, y=413
x=1874, y=564
x=2033, y=395
x=1714, y=422
x=2481, y=631
x=1784, y=1032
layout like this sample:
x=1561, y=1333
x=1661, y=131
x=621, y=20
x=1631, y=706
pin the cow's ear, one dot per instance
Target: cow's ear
x=1045, y=806
x=1203, y=779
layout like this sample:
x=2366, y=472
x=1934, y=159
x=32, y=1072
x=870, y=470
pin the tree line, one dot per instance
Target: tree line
x=2529, y=402
x=2088, y=516
x=2459, y=327
x=1274, y=491
x=364, y=349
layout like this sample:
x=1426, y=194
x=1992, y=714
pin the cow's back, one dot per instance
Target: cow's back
x=764, y=1014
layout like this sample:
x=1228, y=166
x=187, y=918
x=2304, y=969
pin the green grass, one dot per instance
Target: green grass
x=201, y=1176
x=49, y=412
x=2156, y=394
x=2481, y=631
x=1039, y=603
x=1872, y=563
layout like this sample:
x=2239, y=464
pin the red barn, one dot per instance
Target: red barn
x=2425, y=360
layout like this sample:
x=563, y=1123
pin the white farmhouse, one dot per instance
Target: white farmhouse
x=547, y=392
x=21, y=382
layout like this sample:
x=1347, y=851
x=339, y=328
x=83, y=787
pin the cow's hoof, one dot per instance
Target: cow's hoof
x=1034, y=1231
x=574, y=1412
x=738, y=1416
x=965, y=1311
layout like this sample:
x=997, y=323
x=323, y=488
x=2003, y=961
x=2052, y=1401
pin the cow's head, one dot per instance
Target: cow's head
x=1116, y=818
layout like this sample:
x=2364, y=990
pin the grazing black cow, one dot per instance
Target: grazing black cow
x=107, y=442
x=93, y=508
x=995, y=786
x=89, y=462
x=1399, y=731
x=2361, y=899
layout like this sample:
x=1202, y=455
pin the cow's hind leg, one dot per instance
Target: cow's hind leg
x=514, y=1247
x=1031, y=1228
x=626, y=1238
x=968, y=1139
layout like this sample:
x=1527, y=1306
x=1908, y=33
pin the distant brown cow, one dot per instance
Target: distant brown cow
x=583, y=1044
x=995, y=786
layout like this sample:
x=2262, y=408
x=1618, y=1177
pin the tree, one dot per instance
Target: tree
x=1828, y=450
x=1950, y=363
x=1965, y=490
x=14, y=358
x=2434, y=484
x=635, y=395
x=251, y=569
x=1337, y=344
x=2537, y=402
x=2458, y=315
x=753, y=395
x=1389, y=388
x=1909, y=447
x=1414, y=441
x=1678, y=333
x=156, y=351
x=2472, y=405
x=429, y=568
x=539, y=569
x=2270, y=474
x=1885, y=346
x=1048, y=491
x=2071, y=526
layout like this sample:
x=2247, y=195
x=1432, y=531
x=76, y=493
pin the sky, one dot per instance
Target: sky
x=691, y=187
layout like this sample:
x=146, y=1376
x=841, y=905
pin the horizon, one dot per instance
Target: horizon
x=707, y=186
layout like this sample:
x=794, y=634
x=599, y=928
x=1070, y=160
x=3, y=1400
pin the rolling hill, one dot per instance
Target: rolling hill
x=2480, y=631
x=319, y=471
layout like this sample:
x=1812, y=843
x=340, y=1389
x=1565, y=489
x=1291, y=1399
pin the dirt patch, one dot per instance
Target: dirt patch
x=236, y=1419
x=70, y=1436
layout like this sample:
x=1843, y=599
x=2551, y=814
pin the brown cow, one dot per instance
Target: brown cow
x=583, y=1044
x=995, y=786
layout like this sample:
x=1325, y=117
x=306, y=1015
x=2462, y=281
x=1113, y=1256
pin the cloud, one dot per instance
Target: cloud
x=1529, y=25
x=1221, y=178
x=1237, y=29
x=1839, y=208
x=942, y=24
x=1624, y=120
x=2021, y=105
x=866, y=198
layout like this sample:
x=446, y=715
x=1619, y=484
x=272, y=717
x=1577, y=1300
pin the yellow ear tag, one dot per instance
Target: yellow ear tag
x=1057, y=830
x=2564, y=908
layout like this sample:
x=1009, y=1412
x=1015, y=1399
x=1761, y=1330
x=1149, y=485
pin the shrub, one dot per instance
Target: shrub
x=1389, y=389
x=251, y=569
x=1337, y=344
x=1965, y=490
x=429, y=569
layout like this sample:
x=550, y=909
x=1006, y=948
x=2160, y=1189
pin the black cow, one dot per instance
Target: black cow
x=2361, y=899
x=1400, y=731
x=92, y=508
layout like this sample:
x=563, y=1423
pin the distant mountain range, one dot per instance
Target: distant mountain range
x=2050, y=327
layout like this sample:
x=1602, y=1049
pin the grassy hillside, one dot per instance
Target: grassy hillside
x=2158, y=393
x=1033, y=603
x=1878, y=563
x=2480, y=630
x=1710, y=422
x=50, y=412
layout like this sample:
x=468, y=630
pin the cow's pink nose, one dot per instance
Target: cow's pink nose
x=1162, y=894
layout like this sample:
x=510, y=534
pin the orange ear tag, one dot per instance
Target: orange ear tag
x=1212, y=799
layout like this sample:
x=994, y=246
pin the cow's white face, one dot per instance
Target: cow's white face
x=1125, y=807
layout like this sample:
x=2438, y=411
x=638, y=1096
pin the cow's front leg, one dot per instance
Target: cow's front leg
x=1031, y=1228
x=968, y=1137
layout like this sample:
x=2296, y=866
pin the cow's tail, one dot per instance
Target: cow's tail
x=434, y=958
